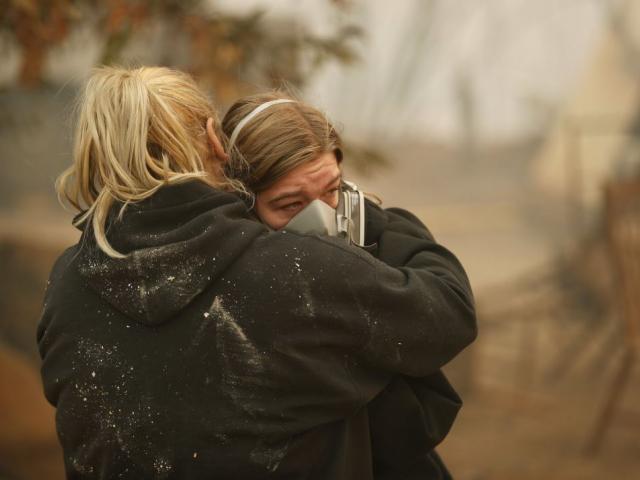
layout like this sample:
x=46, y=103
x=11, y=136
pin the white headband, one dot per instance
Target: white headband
x=253, y=113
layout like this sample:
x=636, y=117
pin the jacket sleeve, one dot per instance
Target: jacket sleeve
x=362, y=322
x=411, y=415
x=422, y=313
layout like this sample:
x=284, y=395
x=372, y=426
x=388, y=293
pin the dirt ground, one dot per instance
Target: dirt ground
x=540, y=429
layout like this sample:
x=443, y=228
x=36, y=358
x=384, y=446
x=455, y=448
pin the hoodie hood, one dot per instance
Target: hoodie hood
x=177, y=243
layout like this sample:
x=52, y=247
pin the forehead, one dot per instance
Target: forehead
x=315, y=173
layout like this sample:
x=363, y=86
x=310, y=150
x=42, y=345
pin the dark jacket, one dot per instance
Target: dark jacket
x=218, y=349
x=411, y=416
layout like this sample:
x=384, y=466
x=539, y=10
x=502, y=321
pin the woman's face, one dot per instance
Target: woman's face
x=317, y=179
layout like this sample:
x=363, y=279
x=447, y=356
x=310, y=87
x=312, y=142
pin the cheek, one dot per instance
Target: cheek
x=330, y=198
x=332, y=201
x=269, y=216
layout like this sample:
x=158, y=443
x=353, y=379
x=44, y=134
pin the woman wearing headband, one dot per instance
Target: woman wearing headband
x=182, y=340
x=292, y=155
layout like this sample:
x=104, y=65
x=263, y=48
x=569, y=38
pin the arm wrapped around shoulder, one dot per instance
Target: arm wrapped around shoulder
x=435, y=319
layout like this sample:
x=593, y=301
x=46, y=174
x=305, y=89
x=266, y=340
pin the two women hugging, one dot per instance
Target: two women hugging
x=254, y=350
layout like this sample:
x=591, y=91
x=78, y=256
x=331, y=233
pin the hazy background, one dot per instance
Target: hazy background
x=498, y=122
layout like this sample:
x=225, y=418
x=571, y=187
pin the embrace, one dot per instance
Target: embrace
x=213, y=323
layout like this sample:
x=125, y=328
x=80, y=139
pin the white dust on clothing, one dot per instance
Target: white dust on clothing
x=269, y=456
x=243, y=376
x=106, y=403
x=226, y=322
x=241, y=363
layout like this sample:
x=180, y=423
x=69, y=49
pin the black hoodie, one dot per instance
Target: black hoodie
x=218, y=349
x=411, y=416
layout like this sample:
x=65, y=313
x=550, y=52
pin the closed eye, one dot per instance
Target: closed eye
x=331, y=193
x=289, y=207
x=332, y=190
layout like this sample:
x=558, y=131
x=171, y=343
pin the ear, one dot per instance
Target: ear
x=215, y=143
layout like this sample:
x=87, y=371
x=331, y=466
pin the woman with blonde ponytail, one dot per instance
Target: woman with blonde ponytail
x=181, y=339
x=137, y=130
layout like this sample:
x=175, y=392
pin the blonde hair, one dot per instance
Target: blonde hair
x=276, y=140
x=137, y=130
